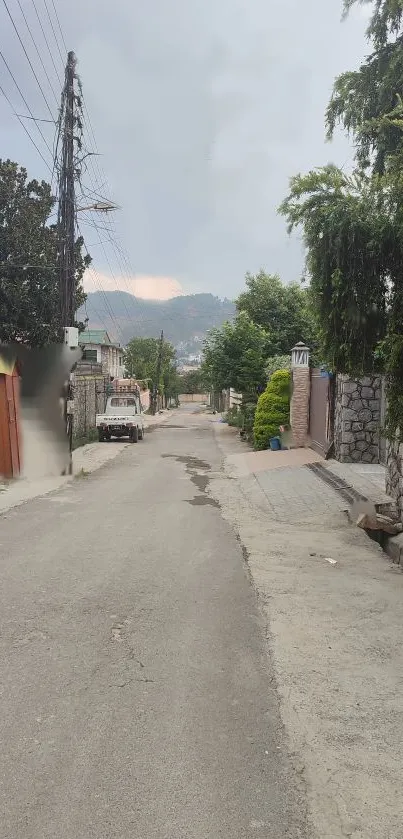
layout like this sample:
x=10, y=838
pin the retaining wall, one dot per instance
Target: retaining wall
x=357, y=421
x=89, y=400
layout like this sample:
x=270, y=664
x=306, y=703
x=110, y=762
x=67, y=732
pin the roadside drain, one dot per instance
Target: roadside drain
x=348, y=493
x=351, y=496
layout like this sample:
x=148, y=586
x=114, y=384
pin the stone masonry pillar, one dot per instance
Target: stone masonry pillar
x=301, y=391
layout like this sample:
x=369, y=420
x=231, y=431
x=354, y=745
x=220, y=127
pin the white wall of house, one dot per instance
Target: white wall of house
x=235, y=399
x=110, y=357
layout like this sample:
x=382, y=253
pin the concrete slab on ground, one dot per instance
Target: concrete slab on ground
x=307, y=491
x=296, y=494
x=247, y=462
x=291, y=492
x=368, y=480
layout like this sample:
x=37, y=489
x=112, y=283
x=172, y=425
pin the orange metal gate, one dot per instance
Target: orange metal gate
x=10, y=450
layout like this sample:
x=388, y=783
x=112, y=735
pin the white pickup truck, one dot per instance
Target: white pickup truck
x=123, y=417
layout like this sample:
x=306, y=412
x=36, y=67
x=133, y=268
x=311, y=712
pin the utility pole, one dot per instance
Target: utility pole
x=66, y=214
x=154, y=402
x=66, y=234
x=71, y=158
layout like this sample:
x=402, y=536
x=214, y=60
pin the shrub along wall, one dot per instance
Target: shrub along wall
x=273, y=409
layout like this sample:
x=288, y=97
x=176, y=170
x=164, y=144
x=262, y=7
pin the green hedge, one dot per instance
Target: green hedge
x=273, y=409
x=242, y=418
x=91, y=436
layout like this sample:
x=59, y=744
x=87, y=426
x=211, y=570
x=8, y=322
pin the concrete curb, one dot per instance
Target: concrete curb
x=394, y=549
x=22, y=490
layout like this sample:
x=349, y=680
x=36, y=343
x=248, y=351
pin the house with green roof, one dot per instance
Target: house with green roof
x=100, y=354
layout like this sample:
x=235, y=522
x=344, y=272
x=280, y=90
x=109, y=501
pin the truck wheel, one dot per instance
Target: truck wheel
x=101, y=437
x=134, y=435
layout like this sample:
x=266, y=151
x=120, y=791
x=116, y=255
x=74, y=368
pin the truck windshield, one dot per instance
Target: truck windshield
x=123, y=402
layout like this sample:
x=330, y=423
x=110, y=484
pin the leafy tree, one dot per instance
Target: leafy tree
x=141, y=360
x=386, y=19
x=347, y=226
x=277, y=362
x=273, y=409
x=192, y=382
x=353, y=228
x=362, y=99
x=234, y=356
x=29, y=280
x=170, y=383
x=282, y=310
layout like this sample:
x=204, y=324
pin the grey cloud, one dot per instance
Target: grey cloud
x=203, y=110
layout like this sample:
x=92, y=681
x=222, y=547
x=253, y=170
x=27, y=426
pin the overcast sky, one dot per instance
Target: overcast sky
x=202, y=110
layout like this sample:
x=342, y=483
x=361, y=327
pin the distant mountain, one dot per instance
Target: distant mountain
x=185, y=320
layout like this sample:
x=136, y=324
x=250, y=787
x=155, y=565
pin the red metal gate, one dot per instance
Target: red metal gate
x=320, y=412
x=10, y=451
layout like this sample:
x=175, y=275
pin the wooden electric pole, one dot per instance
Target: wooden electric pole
x=69, y=167
x=66, y=230
x=154, y=402
x=66, y=214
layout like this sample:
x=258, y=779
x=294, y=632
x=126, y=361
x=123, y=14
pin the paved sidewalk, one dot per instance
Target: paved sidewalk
x=280, y=481
x=303, y=492
x=333, y=603
x=86, y=459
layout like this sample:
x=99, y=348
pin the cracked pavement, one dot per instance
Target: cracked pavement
x=188, y=653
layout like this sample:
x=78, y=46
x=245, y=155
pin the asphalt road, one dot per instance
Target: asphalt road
x=137, y=696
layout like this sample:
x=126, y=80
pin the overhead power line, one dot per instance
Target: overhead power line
x=26, y=104
x=58, y=76
x=27, y=57
x=53, y=30
x=25, y=129
x=59, y=26
x=38, y=52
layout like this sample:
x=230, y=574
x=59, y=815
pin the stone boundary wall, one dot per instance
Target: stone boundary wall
x=89, y=400
x=193, y=397
x=357, y=421
x=394, y=474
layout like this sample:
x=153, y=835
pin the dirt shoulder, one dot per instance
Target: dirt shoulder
x=334, y=629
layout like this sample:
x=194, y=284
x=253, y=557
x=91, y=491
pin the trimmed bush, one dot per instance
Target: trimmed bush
x=273, y=409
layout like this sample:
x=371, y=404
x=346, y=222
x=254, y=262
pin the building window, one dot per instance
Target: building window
x=90, y=355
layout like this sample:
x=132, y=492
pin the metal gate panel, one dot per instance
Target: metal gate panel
x=13, y=399
x=10, y=456
x=319, y=412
